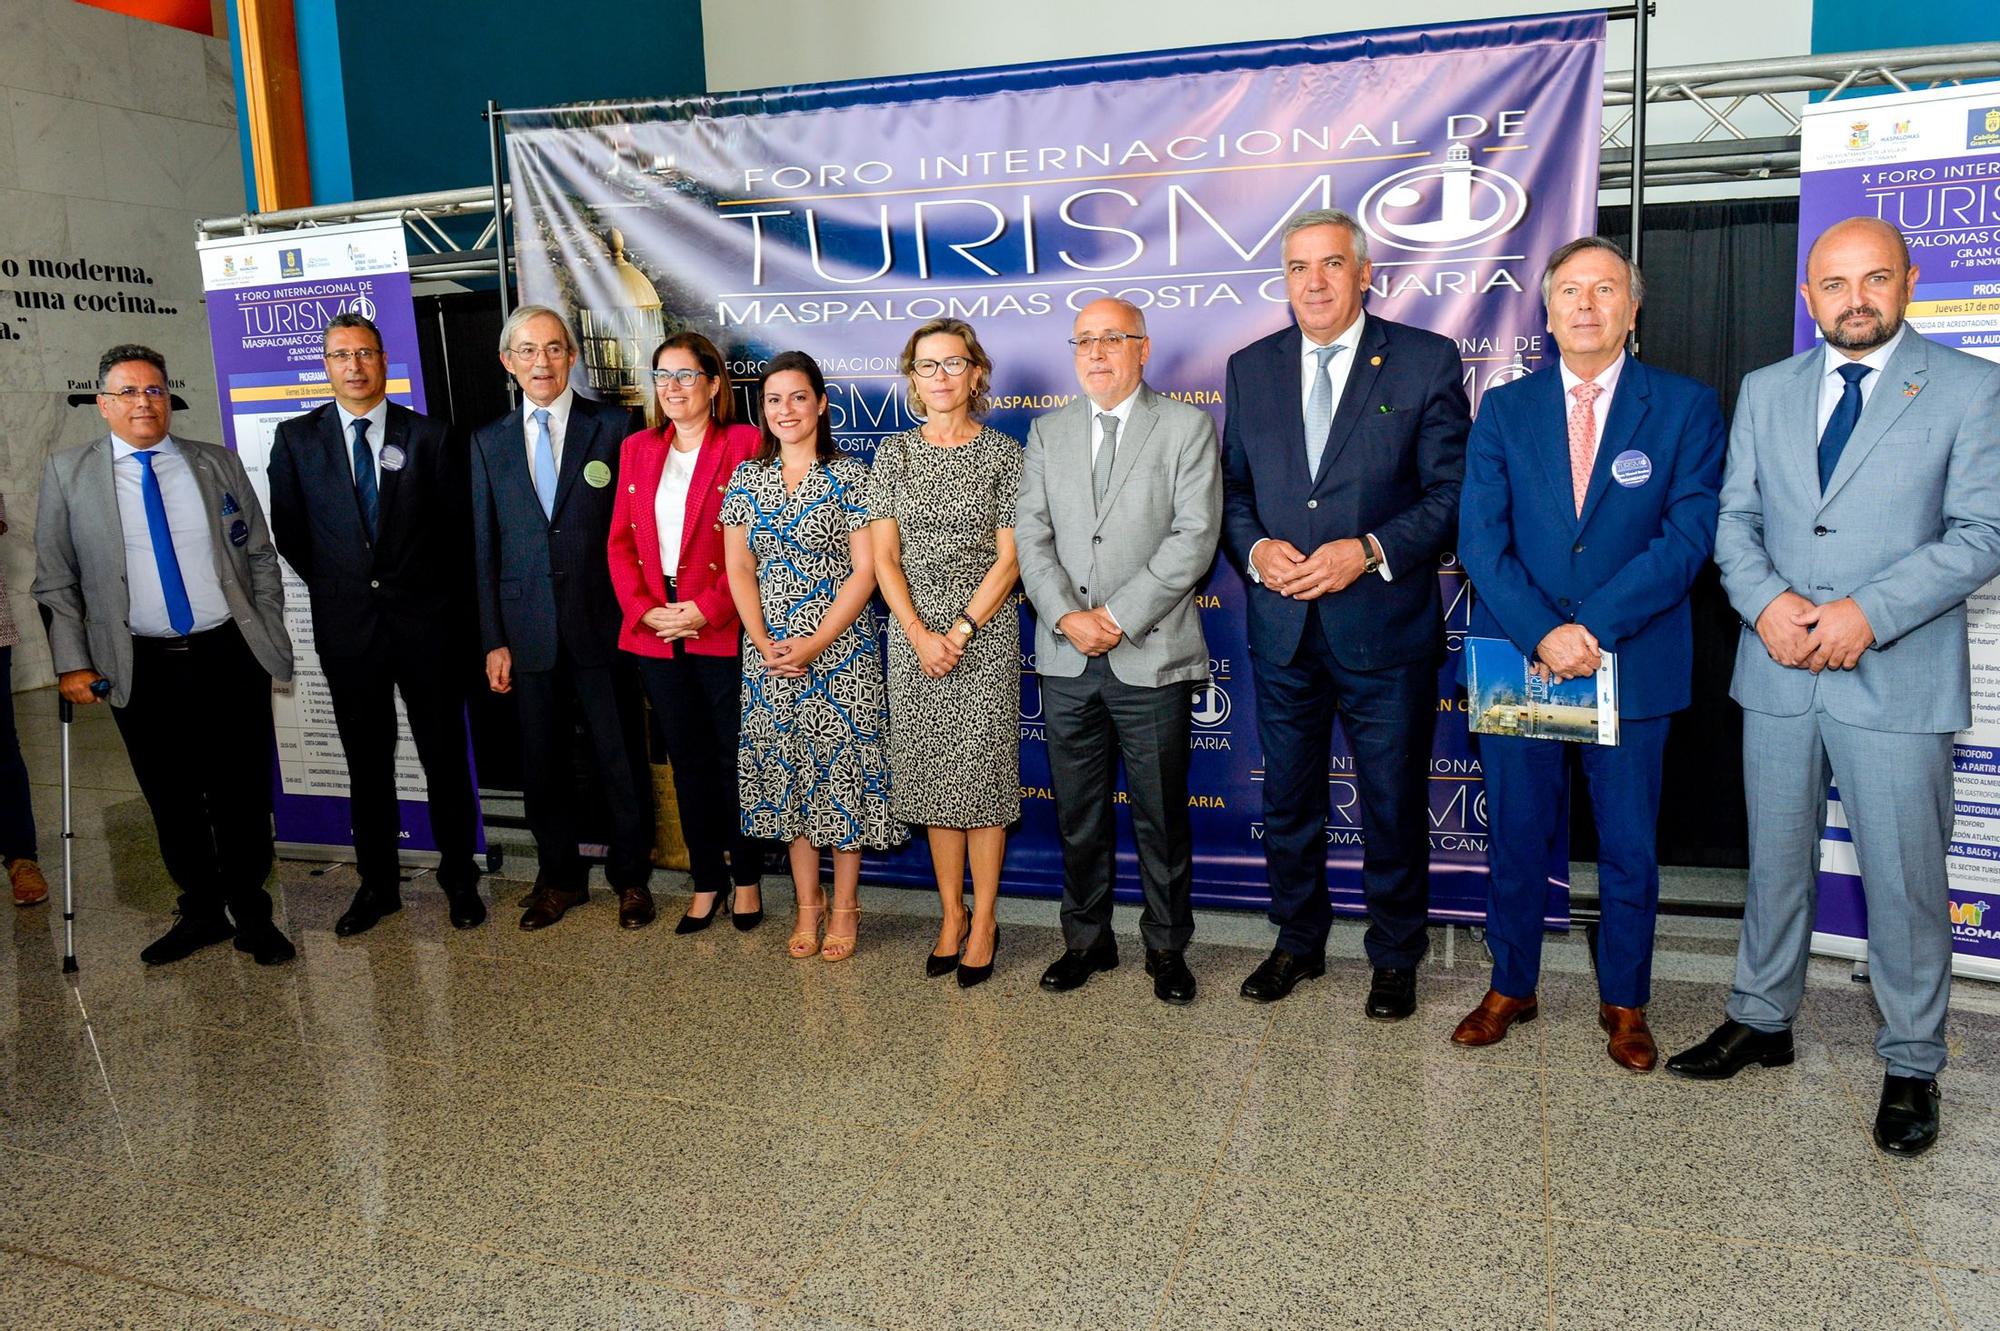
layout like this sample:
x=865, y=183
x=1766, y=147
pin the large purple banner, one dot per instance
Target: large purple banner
x=269, y=298
x=836, y=218
x=1928, y=163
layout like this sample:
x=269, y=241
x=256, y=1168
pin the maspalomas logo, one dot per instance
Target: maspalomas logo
x=1971, y=914
x=1435, y=209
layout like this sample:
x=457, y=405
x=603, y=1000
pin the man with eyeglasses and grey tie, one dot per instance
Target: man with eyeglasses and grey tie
x=1120, y=509
x=164, y=596
x=543, y=480
x=1343, y=447
x=369, y=506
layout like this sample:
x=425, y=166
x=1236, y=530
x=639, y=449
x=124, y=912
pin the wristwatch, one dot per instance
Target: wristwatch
x=963, y=624
x=1370, y=561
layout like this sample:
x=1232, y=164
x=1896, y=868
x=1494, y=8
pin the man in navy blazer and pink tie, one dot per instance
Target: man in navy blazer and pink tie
x=1589, y=506
x=1341, y=457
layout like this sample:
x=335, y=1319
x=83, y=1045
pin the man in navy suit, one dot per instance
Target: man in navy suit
x=368, y=505
x=1344, y=442
x=1589, y=506
x=543, y=479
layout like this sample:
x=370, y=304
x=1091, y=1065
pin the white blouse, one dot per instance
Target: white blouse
x=670, y=505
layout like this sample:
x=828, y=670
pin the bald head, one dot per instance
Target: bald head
x=1859, y=280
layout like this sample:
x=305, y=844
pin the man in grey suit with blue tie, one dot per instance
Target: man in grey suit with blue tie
x=1119, y=515
x=164, y=599
x=1860, y=508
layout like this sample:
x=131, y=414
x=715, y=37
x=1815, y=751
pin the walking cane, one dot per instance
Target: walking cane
x=66, y=712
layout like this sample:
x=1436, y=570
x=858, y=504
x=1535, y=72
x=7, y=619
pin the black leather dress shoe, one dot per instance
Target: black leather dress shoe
x=1173, y=982
x=1907, y=1122
x=467, y=910
x=1278, y=973
x=1078, y=964
x=368, y=909
x=1730, y=1048
x=266, y=946
x=1392, y=994
x=188, y=936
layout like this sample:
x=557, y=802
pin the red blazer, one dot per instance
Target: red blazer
x=635, y=539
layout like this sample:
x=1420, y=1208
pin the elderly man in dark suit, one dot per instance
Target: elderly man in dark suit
x=543, y=480
x=153, y=560
x=1342, y=449
x=369, y=505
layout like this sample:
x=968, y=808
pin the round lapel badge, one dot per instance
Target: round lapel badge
x=239, y=533
x=1631, y=469
x=596, y=475
x=393, y=457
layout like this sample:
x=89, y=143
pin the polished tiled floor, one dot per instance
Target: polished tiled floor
x=583, y=1128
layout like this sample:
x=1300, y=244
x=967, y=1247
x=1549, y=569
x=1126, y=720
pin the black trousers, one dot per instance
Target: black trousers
x=364, y=711
x=699, y=703
x=1389, y=717
x=17, y=808
x=552, y=704
x=1092, y=720
x=198, y=730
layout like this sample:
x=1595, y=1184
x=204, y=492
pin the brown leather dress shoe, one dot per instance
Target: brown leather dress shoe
x=546, y=905
x=635, y=907
x=30, y=888
x=1631, y=1044
x=1488, y=1023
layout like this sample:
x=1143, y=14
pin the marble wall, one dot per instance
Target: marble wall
x=115, y=136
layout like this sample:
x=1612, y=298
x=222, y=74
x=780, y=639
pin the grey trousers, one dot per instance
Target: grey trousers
x=1896, y=791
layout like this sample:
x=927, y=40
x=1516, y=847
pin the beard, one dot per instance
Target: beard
x=1878, y=330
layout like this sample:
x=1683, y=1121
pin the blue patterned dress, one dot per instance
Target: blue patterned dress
x=812, y=761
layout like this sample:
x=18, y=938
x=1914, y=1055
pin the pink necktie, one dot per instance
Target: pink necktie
x=1582, y=440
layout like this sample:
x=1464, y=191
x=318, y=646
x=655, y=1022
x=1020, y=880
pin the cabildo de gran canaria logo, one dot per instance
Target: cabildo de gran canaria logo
x=1982, y=127
x=291, y=263
x=1436, y=208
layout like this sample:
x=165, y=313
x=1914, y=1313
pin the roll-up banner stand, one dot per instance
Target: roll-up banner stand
x=269, y=298
x=1929, y=164
x=835, y=218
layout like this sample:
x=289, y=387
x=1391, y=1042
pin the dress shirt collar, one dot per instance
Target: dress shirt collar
x=1350, y=339
x=1607, y=378
x=120, y=450
x=1833, y=357
x=558, y=414
x=378, y=423
x=1122, y=412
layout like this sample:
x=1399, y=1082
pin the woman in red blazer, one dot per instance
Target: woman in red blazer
x=679, y=619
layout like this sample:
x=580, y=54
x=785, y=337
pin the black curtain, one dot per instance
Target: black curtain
x=1720, y=293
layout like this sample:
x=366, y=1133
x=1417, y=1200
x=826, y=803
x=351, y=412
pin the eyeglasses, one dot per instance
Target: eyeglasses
x=530, y=353
x=359, y=355
x=1111, y=342
x=131, y=395
x=685, y=378
x=951, y=365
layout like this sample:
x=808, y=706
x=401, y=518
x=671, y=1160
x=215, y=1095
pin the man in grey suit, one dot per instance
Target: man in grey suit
x=1860, y=508
x=1119, y=515
x=153, y=560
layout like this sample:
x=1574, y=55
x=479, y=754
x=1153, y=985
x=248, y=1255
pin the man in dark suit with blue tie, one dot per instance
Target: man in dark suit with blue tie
x=1589, y=506
x=1344, y=442
x=369, y=506
x=543, y=479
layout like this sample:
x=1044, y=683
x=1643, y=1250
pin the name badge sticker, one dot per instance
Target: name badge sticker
x=596, y=475
x=1631, y=469
x=393, y=457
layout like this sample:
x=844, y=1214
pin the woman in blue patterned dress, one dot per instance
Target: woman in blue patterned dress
x=812, y=769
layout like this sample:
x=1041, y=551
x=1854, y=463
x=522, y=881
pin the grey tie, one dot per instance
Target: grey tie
x=1107, y=457
x=1319, y=412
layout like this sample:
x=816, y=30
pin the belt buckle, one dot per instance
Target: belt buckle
x=179, y=644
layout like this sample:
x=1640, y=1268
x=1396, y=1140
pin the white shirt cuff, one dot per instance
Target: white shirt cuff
x=1383, y=567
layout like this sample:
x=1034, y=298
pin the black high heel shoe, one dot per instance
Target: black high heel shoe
x=935, y=965
x=971, y=975
x=746, y=920
x=694, y=924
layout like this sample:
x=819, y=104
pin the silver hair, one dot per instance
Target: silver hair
x=1328, y=217
x=519, y=319
x=1578, y=246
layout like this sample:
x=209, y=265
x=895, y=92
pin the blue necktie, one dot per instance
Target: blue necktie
x=1841, y=424
x=1319, y=412
x=364, y=476
x=180, y=614
x=545, y=464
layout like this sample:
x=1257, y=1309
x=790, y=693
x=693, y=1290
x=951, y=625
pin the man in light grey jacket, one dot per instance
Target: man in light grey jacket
x=1860, y=508
x=152, y=557
x=1119, y=515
